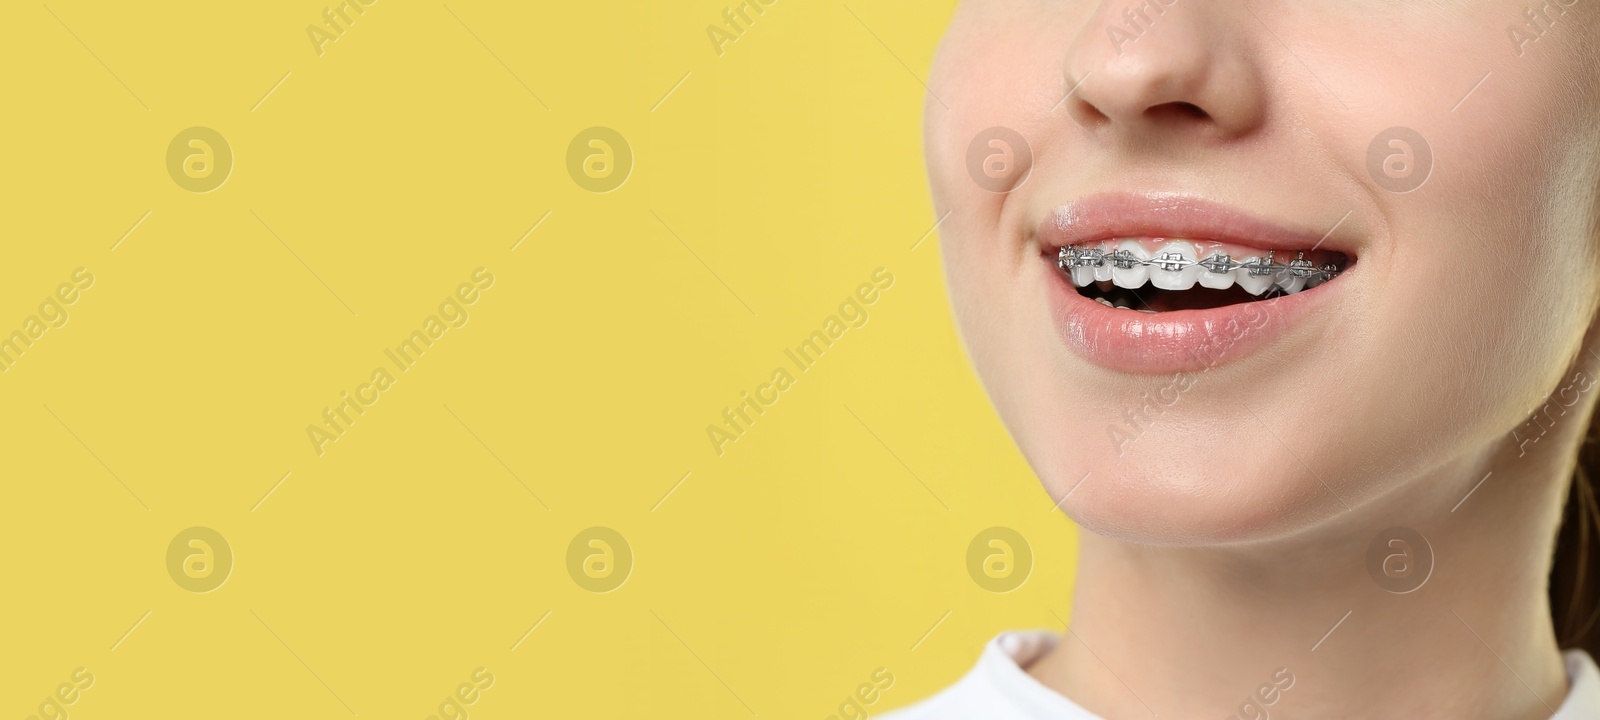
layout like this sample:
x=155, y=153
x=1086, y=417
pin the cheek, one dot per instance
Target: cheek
x=999, y=66
x=1476, y=304
x=1482, y=300
x=979, y=83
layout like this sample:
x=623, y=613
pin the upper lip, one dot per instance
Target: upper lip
x=1118, y=215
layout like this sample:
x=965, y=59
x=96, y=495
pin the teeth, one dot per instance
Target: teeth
x=1102, y=273
x=1253, y=284
x=1180, y=254
x=1216, y=281
x=1134, y=277
x=1176, y=266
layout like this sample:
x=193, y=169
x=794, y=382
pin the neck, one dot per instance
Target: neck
x=1300, y=625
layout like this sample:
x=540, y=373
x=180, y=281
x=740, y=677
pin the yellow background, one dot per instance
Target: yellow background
x=375, y=578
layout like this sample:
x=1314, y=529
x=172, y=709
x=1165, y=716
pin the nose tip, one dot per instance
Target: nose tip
x=1132, y=92
x=1174, y=68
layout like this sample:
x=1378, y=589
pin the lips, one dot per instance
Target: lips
x=1189, y=321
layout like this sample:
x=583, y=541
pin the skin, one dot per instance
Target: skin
x=1233, y=532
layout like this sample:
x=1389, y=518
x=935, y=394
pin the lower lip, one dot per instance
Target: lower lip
x=1176, y=341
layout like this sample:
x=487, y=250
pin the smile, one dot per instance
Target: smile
x=1146, y=274
x=1206, y=284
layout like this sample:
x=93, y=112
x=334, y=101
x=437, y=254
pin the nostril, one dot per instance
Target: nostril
x=1085, y=112
x=1177, y=110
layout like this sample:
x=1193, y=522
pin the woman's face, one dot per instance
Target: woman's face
x=1443, y=156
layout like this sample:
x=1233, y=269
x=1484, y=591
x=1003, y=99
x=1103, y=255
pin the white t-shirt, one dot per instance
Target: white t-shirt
x=998, y=688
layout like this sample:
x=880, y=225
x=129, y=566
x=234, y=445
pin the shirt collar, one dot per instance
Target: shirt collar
x=1001, y=669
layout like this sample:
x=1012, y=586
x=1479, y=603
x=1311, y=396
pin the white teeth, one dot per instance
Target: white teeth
x=1132, y=278
x=1175, y=279
x=1155, y=268
x=1216, y=281
x=1253, y=284
x=1104, y=302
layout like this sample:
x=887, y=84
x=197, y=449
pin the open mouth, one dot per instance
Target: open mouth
x=1216, y=283
x=1156, y=275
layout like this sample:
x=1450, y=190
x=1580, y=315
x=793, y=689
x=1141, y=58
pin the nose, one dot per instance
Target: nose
x=1142, y=68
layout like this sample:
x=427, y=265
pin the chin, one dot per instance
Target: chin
x=1178, y=486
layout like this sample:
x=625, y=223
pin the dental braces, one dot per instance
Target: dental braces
x=1072, y=256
